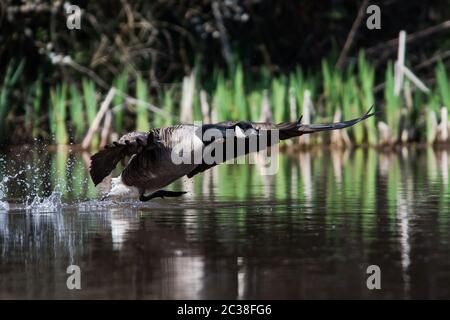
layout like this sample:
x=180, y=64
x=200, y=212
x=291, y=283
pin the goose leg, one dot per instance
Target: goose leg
x=161, y=194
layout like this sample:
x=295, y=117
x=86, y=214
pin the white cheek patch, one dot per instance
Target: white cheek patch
x=239, y=133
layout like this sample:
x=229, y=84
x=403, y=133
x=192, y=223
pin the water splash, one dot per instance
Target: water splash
x=52, y=203
x=33, y=173
x=4, y=205
x=37, y=181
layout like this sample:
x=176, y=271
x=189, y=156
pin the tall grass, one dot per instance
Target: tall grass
x=254, y=100
x=443, y=84
x=37, y=104
x=222, y=101
x=366, y=74
x=142, y=121
x=350, y=107
x=33, y=108
x=332, y=89
x=279, y=101
x=57, y=114
x=12, y=75
x=299, y=84
x=167, y=98
x=90, y=102
x=432, y=109
x=239, y=96
x=392, y=104
x=77, y=113
x=235, y=94
x=121, y=84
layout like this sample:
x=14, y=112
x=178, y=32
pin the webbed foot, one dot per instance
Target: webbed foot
x=161, y=194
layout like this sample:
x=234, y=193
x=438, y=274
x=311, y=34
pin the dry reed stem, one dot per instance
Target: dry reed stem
x=98, y=117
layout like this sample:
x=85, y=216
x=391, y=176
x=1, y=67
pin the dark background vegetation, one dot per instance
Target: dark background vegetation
x=160, y=42
x=164, y=39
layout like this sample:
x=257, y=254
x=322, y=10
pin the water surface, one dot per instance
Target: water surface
x=310, y=231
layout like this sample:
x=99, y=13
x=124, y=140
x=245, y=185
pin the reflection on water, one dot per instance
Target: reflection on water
x=308, y=232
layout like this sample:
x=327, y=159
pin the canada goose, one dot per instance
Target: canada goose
x=148, y=156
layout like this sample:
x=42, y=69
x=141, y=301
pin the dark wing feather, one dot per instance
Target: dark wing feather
x=106, y=160
x=311, y=128
x=294, y=129
x=135, y=172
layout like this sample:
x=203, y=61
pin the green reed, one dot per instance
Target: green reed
x=354, y=109
x=57, y=112
x=58, y=171
x=196, y=107
x=90, y=102
x=366, y=74
x=239, y=96
x=392, y=104
x=222, y=98
x=332, y=87
x=167, y=98
x=279, y=101
x=141, y=109
x=121, y=84
x=431, y=112
x=235, y=94
x=77, y=113
x=299, y=84
x=443, y=84
x=254, y=100
x=37, y=104
x=33, y=108
x=11, y=77
x=158, y=120
x=77, y=179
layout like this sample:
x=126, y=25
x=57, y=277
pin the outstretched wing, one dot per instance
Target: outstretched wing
x=105, y=161
x=287, y=130
x=295, y=129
